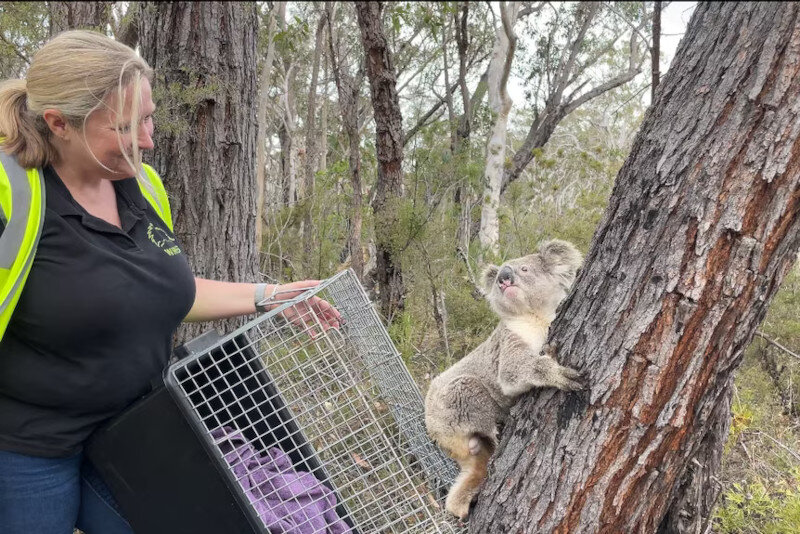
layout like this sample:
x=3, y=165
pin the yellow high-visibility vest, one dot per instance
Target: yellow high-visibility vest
x=22, y=207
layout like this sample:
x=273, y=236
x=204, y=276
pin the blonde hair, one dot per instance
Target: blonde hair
x=74, y=73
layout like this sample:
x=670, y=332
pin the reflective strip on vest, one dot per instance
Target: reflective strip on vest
x=154, y=192
x=25, y=218
x=22, y=202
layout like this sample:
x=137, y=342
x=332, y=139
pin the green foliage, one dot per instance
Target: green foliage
x=760, y=507
x=24, y=28
x=761, y=459
x=180, y=99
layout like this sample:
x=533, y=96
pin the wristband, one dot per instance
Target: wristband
x=262, y=301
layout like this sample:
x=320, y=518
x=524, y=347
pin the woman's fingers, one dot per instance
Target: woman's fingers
x=310, y=314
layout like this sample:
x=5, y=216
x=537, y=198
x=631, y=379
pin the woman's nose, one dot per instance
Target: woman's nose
x=145, y=139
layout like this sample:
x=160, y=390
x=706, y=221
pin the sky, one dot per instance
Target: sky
x=674, y=19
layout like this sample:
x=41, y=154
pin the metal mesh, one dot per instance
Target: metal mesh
x=340, y=403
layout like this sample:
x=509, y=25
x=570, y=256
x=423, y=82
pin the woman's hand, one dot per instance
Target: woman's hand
x=314, y=315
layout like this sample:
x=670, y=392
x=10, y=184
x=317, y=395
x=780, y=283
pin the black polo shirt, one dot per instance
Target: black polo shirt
x=94, y=322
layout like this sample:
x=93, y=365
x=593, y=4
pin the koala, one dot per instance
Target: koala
x=466, y=403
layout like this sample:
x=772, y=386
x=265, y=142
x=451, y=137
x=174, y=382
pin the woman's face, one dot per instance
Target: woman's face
x=105, y=130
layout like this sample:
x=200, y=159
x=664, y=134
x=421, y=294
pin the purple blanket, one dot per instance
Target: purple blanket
x=287, y=501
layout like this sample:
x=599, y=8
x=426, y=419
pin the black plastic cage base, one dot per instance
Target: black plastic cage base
x=162, y=476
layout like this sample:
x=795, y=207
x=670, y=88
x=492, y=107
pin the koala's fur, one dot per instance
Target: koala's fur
x=465, y=404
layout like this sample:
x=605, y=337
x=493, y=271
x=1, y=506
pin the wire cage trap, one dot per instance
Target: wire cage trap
x=311, y=429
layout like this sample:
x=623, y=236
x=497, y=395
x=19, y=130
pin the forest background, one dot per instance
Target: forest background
x=552, y=124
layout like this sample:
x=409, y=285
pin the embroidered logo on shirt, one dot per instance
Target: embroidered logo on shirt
x=162, y=240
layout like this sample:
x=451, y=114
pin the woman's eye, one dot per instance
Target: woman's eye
x=524, y=269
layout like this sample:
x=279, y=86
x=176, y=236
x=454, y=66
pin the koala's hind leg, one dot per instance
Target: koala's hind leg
x=472, y=454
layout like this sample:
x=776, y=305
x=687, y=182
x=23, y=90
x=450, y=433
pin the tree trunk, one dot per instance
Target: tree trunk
x=348, y=90
x=311, y=143
x=79, y=15
x=389, y=143
x=702, y=226
x=500, y=103
x=261, y=138
x=692, y=502
x=204, y=56
x=655, y=50
x=286, y=137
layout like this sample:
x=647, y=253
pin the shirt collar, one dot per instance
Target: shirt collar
x=62, y=202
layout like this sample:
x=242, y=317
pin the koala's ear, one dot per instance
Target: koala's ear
x=489, y=276
x=561, y=257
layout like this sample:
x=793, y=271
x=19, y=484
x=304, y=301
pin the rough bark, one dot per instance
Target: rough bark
x=348, y=90
x=261, y=138
x=702, y=226
x=204, y=56
x=389, y=143
x=79, y=15
x=693, y=500
x=505, y=43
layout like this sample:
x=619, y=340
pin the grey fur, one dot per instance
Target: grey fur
x=465, y=404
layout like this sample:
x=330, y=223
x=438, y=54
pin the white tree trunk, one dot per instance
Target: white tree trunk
x=500, y=104
x=261, y=141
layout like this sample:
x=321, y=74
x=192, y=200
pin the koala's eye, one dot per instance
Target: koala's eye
x=524, y=269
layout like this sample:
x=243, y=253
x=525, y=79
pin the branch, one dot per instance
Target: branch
x=508, y=15
x=422, y=122
x=478, y=292
x=565, y=68
x=529, y=9
x=774, y=343
x=600, y=89
x=637, y=29
x=16, y=50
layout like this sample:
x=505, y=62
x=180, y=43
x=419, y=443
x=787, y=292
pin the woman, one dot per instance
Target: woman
x=108, y=284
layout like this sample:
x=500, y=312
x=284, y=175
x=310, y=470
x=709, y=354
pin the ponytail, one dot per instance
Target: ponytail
x=73, y=73
x=22, y=134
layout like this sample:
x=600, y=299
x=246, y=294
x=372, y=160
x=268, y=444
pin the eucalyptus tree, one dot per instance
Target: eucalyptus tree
x=205, y=87
x=389, y=145
x=91, y=15
x=702, y=226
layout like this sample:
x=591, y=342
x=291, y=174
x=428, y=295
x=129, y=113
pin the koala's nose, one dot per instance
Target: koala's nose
x=505, y=274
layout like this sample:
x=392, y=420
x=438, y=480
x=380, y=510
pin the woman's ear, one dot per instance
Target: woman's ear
x=56, y=122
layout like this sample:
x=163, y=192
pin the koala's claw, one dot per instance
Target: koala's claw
x=572, y=380
x=549, y=349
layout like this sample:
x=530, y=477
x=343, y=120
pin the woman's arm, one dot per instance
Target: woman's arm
x=220, y=300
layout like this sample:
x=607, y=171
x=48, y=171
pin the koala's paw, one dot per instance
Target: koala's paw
x=457, y=503
x=549, y=349
x=569, y=379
